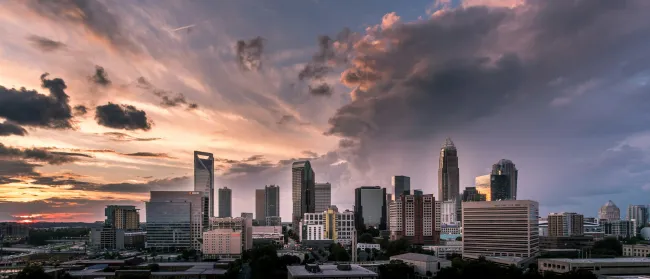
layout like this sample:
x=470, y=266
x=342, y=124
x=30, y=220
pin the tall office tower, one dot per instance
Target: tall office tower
x=302, y=191
x=609, y=212
x=225, y=202
x=471, y=194
x=175, y=219
x=370, y=207
x=501, y=228
x=507, y=167
x=122, y=217
x=272, y=201
x=413, y=218
x=204, y=177
x=500, y=187
x=401, y=185
x=323, y=194
x=638, y=213
x=260, y=206
x=566, y=224
x=448, y=173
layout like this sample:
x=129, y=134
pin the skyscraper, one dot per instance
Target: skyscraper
x=448, y=172
x=323, y=194
x=565, y=224
x=609, y=212
x=370, y=207
x=272, y=201
x=302, y=191
x=413, y=218
x=260, y=206
x=175, y=219
x=204, y=177
x=638, y=213
x=507, y=167
x=225, y=202
x=401, y=185
x=122, y=217
x=471, y=194
x=482, y=184
x=500, y=187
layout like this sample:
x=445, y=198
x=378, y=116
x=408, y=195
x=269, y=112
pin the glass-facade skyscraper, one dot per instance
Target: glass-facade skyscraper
x=507, y=168
x=225, y=202
x=401, y=185
x=370, y=207
x=204, y=177
x=448, y=172
x=303, y=196
x=175, y=219
x=323, y=195
x=272, y=200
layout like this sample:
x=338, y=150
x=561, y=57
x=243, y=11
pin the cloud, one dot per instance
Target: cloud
x=29, y=108
x=125, y=117
x=167, y=98
x=290, y=119
x=45, y=44
x=91, y=16
x=148, y=154
x=249, y=53
x=80, y=110
x=40, y=155
x=100, y=77
x=322, y=89
x=117, y=136
x=310, y=154
x=8, y=129
x=11, y=167
x=331, y=52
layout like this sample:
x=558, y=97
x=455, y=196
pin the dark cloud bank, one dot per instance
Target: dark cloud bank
x=125, y=117
x=45, y=44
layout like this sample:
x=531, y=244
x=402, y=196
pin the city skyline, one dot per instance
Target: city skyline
x=125, y=105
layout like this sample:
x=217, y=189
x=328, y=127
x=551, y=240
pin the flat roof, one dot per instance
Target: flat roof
x=605, y=260
x=329, y=271
x=418, y=257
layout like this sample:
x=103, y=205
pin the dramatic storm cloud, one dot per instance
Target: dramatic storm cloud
x=40, y=155
x=125, y=117
x=8, y=129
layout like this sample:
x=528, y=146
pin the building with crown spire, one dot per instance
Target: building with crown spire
x=609, y=212
x=448, y=173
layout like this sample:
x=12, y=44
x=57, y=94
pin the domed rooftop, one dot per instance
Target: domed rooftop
x=449, y=145
x=610, y=203
x=504, y=162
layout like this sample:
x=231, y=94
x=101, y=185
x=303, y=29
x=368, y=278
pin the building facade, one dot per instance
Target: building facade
x=619, y=228
x=413, y=218
x=638, y=213
x=370, y=207
x=565, y=224
x=636, y=250
x=401, y=185
x=273, y=221
x=471, y=194
x=13, y=231
x=260, y=206
x=122, y=217
x=303, y=196
x=448, y=172
x=323, y=196
x=483, y=186
x=500, y=228
x=175, y=219
x=335, y=225
x=500, y=188
x=107, y=237
x=272, y=200
x=237, y=224
x=222, y=243
x=225, y=202
x=204, y=177
x=609, y=212
x=448, y=212
x=507, y=168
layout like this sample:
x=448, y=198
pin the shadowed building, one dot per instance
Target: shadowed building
x=448, y=172
x=122, y=217
x=204, y=177
x=260, y=207
x=323, y=194
x=401, y=185
x=225, y=202
x=370, y=207
x=507, y=168
x=303, y=195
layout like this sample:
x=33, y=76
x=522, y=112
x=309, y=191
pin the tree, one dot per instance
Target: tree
x=32, y=272
x=397, y=247
x=608, y=247
x=429, y=273
x=396, y=269
x=154, y=267
x=459, y=238
x=366, y=238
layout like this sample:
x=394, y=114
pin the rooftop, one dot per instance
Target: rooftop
x=606, y=260
x=417, y=257
x=329, y=271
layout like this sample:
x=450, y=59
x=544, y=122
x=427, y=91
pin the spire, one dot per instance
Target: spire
x=449, y=144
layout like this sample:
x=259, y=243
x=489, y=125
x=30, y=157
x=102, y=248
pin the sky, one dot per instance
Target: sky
x=103, y=101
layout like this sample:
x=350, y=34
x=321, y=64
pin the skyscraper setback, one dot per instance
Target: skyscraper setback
x=204, y=176
x=448, y=172
x=302, y=190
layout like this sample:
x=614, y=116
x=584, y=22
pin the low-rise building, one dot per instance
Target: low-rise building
x=450, y=228
x=134, y=240
x=273, y=220
x=619, y=228
x=349, y=271
x=241, y=224
x=371, y=246
x=614, y=266
x=565, y=242
x=442, y=251
x=423, y=263
x=107, y=238
x=222, y=243
x=12, y=230
x=637, y=250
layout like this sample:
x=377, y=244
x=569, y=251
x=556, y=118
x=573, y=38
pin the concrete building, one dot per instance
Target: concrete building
x=619, y=228
x=107, y=238
x=442, y=251
x=448, y=172
x=225, y=202
x=260, y=206
x=238, y=224
x=323, y=196
x=413, y=218
x=204, y=177
x=168, y=270
x=175, y=219
x=370, y=207
x=565, y=224
x=334, y=225
x=501, y=228
x=507, y=168
x=371, y=246
x=401, y=185
x=135, y=240
x=565, y=242
x=13, y=231
x=636, y=250
x=617, y=266
x=609, y=212
x=448, y=212
x=122, y=217
x=453, y=228
x=273, y=221
x=471, y=194
x=423, y=263
x=222, y=243
x=314, y=271
x=303, y=196
x=638, y=214
x=273, y=233
x=482, y=185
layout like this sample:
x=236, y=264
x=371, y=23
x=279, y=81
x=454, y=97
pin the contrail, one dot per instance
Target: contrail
x=184, y=27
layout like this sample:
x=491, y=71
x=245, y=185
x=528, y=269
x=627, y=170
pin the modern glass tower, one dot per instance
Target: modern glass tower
x=272, y=200
x=204, y=177
x=401, y=185
x=507, y=167
x=370, y=207
x=448, y=173
x=225, y=202
x=260, y=206
x=302, y=191
x=323, y=193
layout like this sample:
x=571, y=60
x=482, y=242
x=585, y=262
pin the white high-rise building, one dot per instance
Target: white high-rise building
x=638, y=214
x=334, y=225
x=500, y=228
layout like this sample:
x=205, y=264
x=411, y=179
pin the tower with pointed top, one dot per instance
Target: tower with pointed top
x=448, y=172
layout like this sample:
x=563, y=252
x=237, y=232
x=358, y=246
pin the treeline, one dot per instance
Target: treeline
x=481, y=268
x=40, y=237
